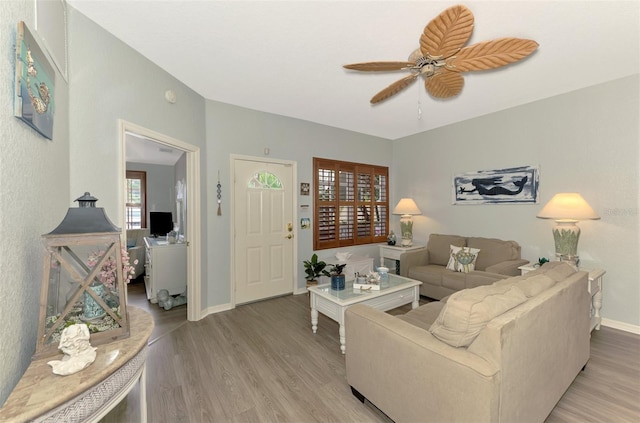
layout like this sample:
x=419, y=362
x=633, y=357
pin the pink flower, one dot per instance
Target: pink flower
x=108, y=272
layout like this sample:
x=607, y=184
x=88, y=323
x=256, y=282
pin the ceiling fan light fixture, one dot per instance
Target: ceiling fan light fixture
x=442, y=56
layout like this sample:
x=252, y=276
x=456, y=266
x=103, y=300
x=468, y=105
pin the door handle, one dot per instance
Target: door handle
x=289, y=236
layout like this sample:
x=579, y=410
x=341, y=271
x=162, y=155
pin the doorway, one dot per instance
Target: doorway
x=264, y=230
x=191, y=212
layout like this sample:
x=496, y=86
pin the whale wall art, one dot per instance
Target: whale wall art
x=516, y=185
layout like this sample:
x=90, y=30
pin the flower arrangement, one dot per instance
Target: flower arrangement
x=107, y=274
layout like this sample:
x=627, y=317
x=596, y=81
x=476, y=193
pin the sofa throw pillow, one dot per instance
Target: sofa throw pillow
x=558, y=270
x=462, y=259
x=535, y=285
x=530, y=285
x=467, y=312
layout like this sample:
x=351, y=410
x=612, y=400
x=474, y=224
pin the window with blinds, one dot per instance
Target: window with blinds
x=136, y=199
x=351, y=203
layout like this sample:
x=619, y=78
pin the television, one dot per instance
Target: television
x=160, y=223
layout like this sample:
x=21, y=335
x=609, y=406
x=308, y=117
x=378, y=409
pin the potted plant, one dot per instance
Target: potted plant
x=542, y=260
x=337, y=278
x=314, y=268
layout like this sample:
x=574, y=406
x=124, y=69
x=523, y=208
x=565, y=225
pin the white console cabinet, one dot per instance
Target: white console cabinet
x=166, y=267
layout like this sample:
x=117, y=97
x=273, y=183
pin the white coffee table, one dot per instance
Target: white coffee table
x=395, y=292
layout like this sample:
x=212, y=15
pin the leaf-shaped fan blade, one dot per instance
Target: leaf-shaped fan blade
x=491, y=54
x=394, y=88
x=379, y=66
x=447, y=32
x=444, y=84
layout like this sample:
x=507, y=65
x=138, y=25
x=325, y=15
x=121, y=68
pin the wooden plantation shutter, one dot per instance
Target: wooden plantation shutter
x=351, y=204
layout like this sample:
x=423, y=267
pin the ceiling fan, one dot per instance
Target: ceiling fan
x=442, y=58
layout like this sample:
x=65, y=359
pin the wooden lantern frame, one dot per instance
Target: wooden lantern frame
x=55, y=244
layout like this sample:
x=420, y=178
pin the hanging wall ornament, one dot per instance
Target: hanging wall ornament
x=219, y=190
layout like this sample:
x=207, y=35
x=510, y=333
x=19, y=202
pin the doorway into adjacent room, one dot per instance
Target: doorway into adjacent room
x=183, y=196
x=264, y=241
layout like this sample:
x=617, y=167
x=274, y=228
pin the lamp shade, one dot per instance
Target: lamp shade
x=406, y=206
x=568, y=206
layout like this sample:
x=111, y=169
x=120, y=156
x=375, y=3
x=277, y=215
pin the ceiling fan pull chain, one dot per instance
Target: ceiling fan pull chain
x=419, y=105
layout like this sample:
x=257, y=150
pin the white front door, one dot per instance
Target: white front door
x=264, y=229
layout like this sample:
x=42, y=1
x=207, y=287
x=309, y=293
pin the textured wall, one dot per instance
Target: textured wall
x=111, y=81
x=34, y=197
x=584, y=141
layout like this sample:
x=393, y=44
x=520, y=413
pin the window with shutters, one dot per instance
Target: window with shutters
x=351, y=203
x=136, y=199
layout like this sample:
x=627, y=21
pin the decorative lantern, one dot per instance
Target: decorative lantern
x=83, y=279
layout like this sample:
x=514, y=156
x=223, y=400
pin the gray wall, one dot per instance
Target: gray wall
x=161, y=191
x=111, y=81
x=234, y=130
x=34, y=197
x=584, y=141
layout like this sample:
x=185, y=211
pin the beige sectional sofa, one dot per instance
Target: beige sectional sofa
x=504, y=352
x=497, y=259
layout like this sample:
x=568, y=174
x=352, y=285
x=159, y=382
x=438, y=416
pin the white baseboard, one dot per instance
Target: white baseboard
x=627, y=327
x=215, y=309
x=224, y=307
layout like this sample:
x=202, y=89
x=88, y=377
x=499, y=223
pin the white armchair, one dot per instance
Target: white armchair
x=136, y=249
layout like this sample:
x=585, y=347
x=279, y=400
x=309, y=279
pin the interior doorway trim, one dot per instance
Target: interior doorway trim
x=232, y=166
x=194, y=244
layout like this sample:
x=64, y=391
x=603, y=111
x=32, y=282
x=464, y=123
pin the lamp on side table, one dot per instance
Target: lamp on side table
x=567, y=208
x=406, y=208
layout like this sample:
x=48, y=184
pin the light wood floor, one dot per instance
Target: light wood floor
x=261, y=363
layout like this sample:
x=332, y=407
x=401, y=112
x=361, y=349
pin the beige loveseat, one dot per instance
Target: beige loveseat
x=505, y=352
x=497, y=259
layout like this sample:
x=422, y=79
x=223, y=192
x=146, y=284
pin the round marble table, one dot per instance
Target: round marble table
x=90, y=394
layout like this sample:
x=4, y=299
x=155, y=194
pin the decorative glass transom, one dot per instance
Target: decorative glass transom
x=265, y=180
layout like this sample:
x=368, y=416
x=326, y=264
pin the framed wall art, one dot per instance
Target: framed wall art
x=516, y=185
x=34, y=86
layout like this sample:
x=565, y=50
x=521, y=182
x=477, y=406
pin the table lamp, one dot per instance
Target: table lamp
x=406, y=208
x=567, y=209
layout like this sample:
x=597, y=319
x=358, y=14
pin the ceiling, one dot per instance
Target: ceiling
x=140, y=149
x=286, y=57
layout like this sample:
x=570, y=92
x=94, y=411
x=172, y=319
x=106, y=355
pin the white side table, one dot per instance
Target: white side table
x=595, y=289
x=394, y=251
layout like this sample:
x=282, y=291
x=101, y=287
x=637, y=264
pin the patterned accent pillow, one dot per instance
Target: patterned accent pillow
x=468, y=311
x=462, y=259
